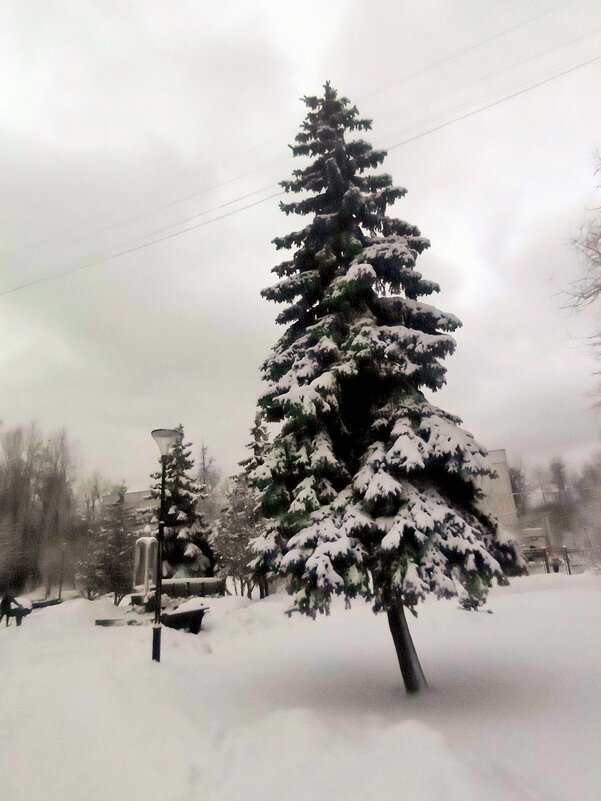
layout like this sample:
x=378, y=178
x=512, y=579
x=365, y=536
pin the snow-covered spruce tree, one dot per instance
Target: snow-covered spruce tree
x=371, y=488
x=109, y=558
x=88, y=576
x=116, y=540
x=263, y=547
x=187, y=547
x=258, y=444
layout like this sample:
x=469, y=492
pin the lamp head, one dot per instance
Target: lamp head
x=165, y=438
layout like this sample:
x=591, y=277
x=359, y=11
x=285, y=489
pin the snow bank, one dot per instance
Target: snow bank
x=297, y=755
x=258, y=706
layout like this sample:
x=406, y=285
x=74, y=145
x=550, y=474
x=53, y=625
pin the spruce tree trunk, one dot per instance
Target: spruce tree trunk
x=412, y=672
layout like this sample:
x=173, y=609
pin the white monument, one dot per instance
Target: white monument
x=145, y=564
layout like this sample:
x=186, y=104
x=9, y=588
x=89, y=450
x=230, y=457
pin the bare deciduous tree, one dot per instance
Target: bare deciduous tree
x=37, y=506
x=588, y=288
x=209, y=475
x=519, y=487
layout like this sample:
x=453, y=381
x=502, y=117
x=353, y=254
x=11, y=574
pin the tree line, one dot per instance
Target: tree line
x=58, y=527
x=38, y=505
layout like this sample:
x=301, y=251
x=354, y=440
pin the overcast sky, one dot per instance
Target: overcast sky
x=120, y=119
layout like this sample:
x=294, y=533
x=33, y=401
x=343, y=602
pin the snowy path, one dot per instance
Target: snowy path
x=262, y=707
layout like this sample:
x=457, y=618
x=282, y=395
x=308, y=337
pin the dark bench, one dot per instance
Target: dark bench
x=19, y=613
x=44, y=604
x=193, y=587
x=190, y=620
x=181, y=588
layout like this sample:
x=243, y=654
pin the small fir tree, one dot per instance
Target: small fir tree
x=239, y=524
x=88, y=575
x=187, y=549
x=371, y=488
x=265, y=561
x=257, y=446
x=107, y=565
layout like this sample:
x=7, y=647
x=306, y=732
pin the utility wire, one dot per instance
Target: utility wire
x=177, y=201
x=42, y=279
x=446, y=124
x=215, y=208
x=156, y=209
x=456, y=112
x=462, y=52
x=203, y=213
x=494, y=103
x=404, y=109
x=414, y=74
x=258, y=169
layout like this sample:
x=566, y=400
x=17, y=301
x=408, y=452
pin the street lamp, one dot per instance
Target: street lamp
x=165, y=438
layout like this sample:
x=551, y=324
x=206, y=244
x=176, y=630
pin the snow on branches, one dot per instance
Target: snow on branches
x=187, y=544
x=370, y=488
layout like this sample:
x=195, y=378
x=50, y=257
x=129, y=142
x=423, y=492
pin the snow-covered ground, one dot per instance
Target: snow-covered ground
x=260, y=707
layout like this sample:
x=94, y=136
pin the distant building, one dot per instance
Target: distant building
x=140, y=502
x=499, y=500
x=498, y=496
x=136, y=503
x=216, y=500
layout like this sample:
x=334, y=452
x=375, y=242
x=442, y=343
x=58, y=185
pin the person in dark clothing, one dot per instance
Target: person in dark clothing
x=5, y=606
x=555, y=564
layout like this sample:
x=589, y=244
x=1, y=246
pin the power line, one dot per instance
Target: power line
x=494, y=103
x=215, y=208
x=185, y=220
x=446, y=124
x=78, y=268
x=177, y=201
x=203, y=213
x=481, y=78
x=156, y=209
x=465, y=50
x=475, y=102
x=279, y=161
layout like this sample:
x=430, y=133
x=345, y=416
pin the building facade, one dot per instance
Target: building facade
x=499, y=499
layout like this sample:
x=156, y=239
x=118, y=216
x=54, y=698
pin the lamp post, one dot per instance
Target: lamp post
x=165, y=438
